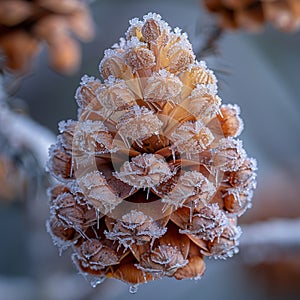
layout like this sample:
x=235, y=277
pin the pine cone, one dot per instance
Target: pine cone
x=152, y=160
x=25, y=25
x=253, y=14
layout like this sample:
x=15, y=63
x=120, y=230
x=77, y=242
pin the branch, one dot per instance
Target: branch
x=268, y=240
x=21, y=131
x=211, y=39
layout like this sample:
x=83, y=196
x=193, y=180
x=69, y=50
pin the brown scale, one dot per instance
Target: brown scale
x=61, y=164
x=226, y=245
x=69, y=211
x=195, y=267
x=166, y=256
x=135, y=228
x=206, y=223
x=61, y=231
x=94, y=257
x=230, y=121
x=86, y=95
x=237, y=187
x=129, y=273
x=69, y=219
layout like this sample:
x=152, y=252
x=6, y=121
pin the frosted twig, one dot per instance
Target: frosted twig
x=267, y=240
x=21, y=131
x=211, y=40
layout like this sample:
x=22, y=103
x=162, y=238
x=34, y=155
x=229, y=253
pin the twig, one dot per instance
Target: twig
x=211, y=40
x=21, y=131
x=268, y=240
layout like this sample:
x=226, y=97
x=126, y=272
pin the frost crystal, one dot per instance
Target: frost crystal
x=162, y=260
x=227, y=244
x=208, y=224
x=202, y=104
x=86, y=93
x=230, y=121
x=192, y=137
x=137, y=56
x=135, y=228
x=115, y=95
x=93, y=256
x=98, y=192
x=162, y=86
x=144, y=171
x=237, y=197
x=191, y=186
x=60, y=164
x=138, y=124
x=134, y=28
x=229, y=155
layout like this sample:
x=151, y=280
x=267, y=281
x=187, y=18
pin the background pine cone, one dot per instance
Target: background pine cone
x=25, y=24
x=152, y=177
x=253, y=14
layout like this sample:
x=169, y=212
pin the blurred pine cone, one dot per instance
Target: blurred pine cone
x=152, y=177
x=26, y=24
x=253, y=14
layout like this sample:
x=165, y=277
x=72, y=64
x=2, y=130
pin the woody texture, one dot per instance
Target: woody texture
x=151, y=177
x=252, y=15
x=25, y=25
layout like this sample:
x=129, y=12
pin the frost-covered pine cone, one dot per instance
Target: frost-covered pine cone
x=253, y=14
x=26, y=24
x=152, y=177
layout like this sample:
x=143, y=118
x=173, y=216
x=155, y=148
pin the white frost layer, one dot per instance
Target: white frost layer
x=283, y=232
x=21, y=130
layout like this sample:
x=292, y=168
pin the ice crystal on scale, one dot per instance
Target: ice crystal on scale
x=152, y=177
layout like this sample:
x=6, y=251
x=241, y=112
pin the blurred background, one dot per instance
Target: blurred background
x=260, y=73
